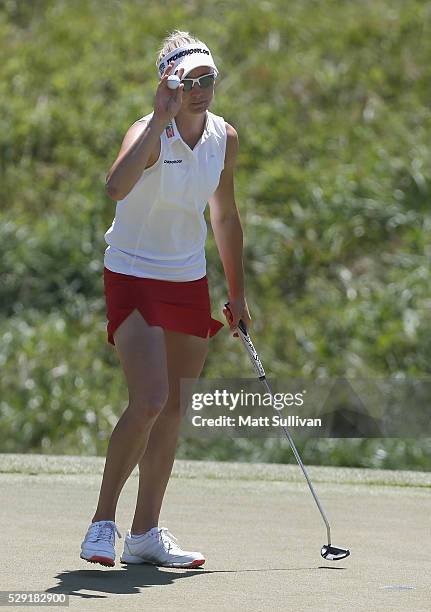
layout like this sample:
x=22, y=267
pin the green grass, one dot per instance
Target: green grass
x=35, y=465
x=331, y=103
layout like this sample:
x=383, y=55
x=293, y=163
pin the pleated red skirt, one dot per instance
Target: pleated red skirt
x=177, y=306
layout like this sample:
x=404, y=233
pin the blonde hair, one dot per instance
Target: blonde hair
x=175, y=39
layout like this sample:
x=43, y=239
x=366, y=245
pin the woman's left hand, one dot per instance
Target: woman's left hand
x=237, y=310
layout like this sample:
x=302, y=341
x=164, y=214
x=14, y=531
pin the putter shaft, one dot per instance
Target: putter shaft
x=254, y=357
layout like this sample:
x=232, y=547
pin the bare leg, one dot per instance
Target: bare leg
x=186, y=357
x=142, y=353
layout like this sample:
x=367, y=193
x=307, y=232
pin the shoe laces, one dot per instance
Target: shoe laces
x=105, y=531
x=166, y=537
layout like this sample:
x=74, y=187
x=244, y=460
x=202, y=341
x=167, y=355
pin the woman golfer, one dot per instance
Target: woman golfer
x=171, y=163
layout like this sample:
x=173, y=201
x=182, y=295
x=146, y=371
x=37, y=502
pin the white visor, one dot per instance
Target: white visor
x=188, y=57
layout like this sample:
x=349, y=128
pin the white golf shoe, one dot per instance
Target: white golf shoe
x=159, y=547
x=98, y=545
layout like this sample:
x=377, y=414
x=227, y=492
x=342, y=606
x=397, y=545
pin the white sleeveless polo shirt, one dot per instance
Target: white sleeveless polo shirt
x=159, y=230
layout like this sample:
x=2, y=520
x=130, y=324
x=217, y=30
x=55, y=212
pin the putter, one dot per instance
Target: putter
x=328, y=551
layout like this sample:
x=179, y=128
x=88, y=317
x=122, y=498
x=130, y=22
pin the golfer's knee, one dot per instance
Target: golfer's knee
x=174, y=409
x=147, y=408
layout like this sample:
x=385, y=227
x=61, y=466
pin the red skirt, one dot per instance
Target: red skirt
x=177, y=306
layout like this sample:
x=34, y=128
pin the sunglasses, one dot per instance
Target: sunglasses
x=204, y=81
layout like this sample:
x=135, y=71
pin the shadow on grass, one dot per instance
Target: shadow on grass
x=98, y=584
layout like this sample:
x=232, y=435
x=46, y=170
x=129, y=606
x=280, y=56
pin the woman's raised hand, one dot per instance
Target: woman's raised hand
x=167, y=101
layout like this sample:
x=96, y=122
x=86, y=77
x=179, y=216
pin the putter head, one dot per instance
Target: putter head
x=332, y=553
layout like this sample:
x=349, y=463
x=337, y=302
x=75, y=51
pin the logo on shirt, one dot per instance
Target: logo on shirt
x=172, y=161
x=170, y=130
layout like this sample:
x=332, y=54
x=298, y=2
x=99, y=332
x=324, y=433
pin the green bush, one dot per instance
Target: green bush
x=331, y=102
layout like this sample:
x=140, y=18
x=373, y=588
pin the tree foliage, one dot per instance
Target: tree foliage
x=331, y=103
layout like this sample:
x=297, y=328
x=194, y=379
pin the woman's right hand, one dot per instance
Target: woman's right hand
x=167, y=101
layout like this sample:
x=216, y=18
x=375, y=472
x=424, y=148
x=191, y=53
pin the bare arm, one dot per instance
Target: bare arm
x=140, y=149
x=141, y=145
x=226, y=225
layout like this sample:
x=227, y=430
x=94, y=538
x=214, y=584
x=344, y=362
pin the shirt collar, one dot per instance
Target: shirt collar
x=171, y=131
x=173, y=134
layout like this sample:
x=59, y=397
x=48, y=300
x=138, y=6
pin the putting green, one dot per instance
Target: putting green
x=257, y=525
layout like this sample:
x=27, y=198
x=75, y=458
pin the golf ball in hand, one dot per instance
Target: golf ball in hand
x=173, y=81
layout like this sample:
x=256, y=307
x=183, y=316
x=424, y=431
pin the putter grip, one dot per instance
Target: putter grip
x=248, y=344
x=241, y=323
